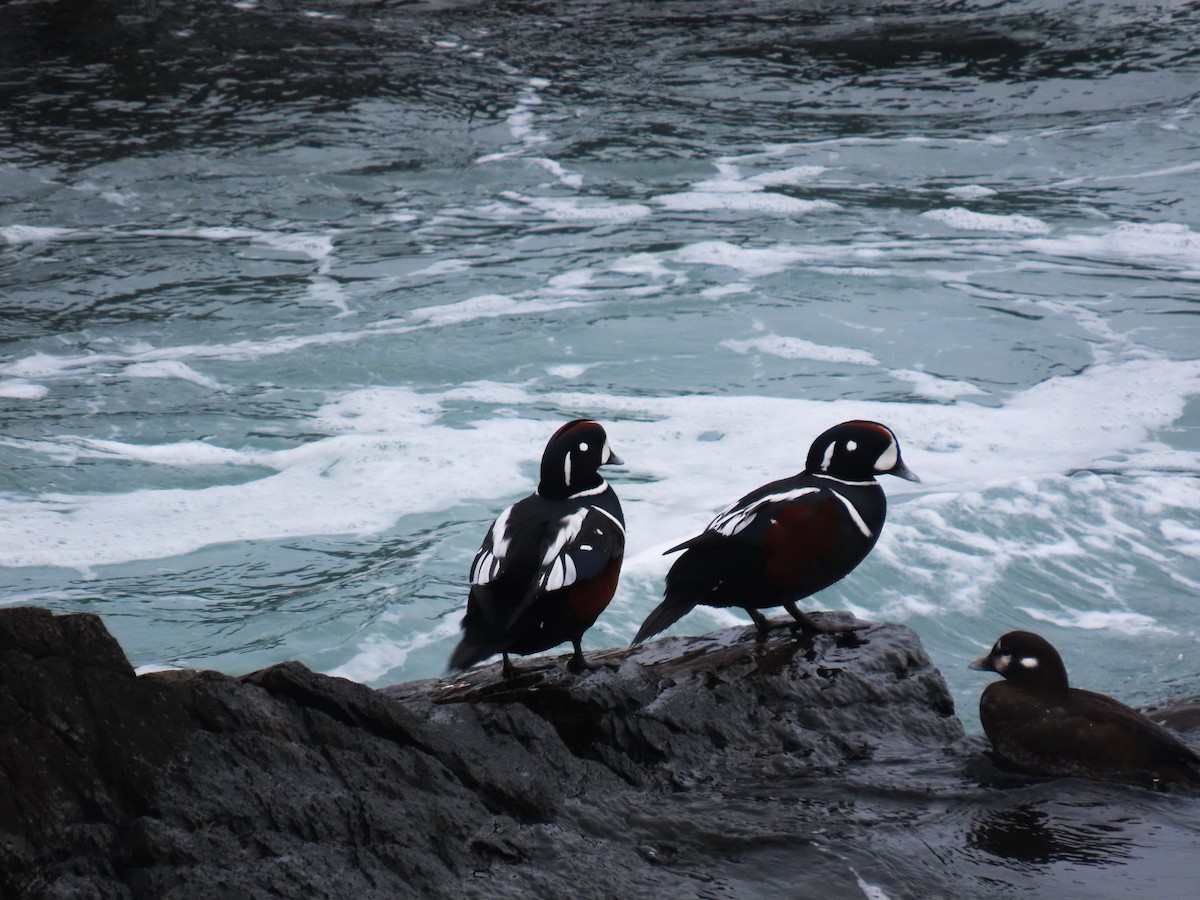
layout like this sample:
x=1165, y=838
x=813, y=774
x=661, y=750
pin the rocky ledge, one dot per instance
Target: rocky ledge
x=289, y=783
x=711, y=766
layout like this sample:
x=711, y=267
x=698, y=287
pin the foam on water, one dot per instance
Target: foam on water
x=17, y=389
x=796, y=348
x=171, y=369
x=33, y=234
x=386, y=455
x=1167, y=244
x=566, y=209
x=768, y=203
x=1095, y=620
x=968, y=220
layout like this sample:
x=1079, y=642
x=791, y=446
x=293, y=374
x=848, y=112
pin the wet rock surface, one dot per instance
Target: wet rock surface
x=710, y=766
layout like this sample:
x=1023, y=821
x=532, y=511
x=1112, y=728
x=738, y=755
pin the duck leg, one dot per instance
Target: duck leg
x=577, y=663
x=760, y=622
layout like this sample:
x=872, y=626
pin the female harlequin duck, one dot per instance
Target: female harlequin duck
x=790, y=538
x=549, y=564
x=1040, y=725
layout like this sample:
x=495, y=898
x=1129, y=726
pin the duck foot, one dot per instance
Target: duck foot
x=805, y=625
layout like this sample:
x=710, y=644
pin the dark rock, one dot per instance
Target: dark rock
x=629, y=779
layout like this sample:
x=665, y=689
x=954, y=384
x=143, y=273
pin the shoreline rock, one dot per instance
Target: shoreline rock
x=694, y=765
x=287, y=782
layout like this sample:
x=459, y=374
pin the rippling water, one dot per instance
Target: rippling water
x=292, y=296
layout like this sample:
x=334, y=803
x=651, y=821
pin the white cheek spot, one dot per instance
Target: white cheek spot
x=1029, y=662
x=583, y=447
x=851, y=446
x=1002, y=663
x=888, y=458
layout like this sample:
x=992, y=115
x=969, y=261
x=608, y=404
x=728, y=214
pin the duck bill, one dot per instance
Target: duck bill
x=613, y=460
x=983, y=664
x=900, y=470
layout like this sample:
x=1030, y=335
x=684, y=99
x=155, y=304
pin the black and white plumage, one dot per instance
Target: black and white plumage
x=1037, y=723
x=790, y=538
x=549, y=564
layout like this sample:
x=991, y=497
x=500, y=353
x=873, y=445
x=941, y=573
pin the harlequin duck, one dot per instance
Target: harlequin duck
x=790, y=538
x=1039, y=725
x=549, y=564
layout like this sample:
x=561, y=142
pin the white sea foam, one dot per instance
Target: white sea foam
x=327, y=291
x=796, y=348
x=793, y=175
x=556, y=169
x=565, y=209
x=870, y=891
x=1163, y=243
x=385, y=455
x=765, y=202
x=726, y=290
x=1095, y=620
x=970, y=192
x=317, y=247
x=570, y=372
x=378, y=655
x=967, y=220
x=934, y=387
x=15, y=389
x=486, y=306
x=1185, y=169
x=46, y=366
x=750, y=260
x=169, y=368
x=33, y=234
x=520, y=121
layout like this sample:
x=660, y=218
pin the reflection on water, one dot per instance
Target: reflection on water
x=1029, y=834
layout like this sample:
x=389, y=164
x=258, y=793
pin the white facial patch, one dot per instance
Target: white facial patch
x=1002, y=663
x=851, y=446
x=888, y=458
x=583, y=447
x=1029, y=662
x=827, y=458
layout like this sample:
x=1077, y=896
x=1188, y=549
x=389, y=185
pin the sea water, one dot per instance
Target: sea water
x=292, y=296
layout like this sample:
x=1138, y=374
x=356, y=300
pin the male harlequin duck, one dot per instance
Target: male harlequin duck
x=789, y=538
x=549, y=564
x=1040, y=725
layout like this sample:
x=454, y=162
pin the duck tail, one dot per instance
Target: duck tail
x=666, y=614
x=467, y=654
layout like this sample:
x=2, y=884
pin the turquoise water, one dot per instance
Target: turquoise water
x=292, y=298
